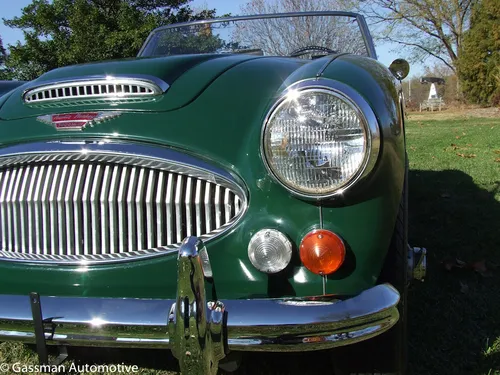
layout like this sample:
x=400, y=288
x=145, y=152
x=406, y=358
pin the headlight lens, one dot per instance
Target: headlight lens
x=316, y=141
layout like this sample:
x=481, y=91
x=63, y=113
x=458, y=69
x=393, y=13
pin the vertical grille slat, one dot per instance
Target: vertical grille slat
x=16, y=211
x=10, y=214
x=198, y=207
x=40, y=214
x=149, y=210
x=208, y=207
x=3, y=207
x=218, y=207
x=113, y=211
x=237, y=205
x=44, y=200
x=169, y=205
x=87, y=229
x=23, y=208
x=122, y=209
x=139, y=212
x=78, y=210
x=95, y=214
x=188, y=205
x=60, y=209
x=104, y=199
x=227, y=205
x=29, y=235
x=61, y=212
x=178, y=209
x=53, y=182
x=132, y=184
x=69, y=210
x=160, y=212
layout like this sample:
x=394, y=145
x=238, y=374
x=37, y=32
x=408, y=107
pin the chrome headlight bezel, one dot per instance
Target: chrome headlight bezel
x=363, y=111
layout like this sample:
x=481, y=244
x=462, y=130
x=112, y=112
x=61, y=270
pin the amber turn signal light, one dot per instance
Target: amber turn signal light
x=322, y=252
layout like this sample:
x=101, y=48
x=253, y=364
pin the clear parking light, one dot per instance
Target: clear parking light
x=316, y=141
x=270, y=251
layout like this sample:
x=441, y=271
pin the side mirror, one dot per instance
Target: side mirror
x=400, y=68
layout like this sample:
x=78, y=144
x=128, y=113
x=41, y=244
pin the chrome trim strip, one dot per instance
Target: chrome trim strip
x=285, y=324
x=177, y=167
x=365, y=113
x=119, y=87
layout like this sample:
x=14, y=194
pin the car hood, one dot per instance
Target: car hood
x=187, y=76
x=6, y=86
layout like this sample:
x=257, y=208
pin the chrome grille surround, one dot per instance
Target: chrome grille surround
x=78, y=89
x=83, y=217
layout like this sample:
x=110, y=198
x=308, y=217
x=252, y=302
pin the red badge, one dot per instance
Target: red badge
x=77, y=120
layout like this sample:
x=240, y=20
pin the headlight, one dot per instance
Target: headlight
x=317, y=141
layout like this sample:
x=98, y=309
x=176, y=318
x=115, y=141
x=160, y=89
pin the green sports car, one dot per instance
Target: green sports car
x=239, y=186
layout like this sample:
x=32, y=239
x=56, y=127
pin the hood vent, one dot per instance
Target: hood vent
x=112, y=88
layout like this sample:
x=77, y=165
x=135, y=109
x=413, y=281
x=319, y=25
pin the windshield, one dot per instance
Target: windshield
x=304, y=35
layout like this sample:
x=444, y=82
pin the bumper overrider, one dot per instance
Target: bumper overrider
x=200, y=332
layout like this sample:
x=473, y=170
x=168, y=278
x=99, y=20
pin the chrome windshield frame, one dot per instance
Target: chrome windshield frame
x=365, y=32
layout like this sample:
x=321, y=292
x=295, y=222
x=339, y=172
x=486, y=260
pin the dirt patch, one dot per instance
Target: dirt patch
x=456, y=113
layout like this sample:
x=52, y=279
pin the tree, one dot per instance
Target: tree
x=4, y=73
x=480, y=60
x=65, y=32
x=425, y=27
x=281, y=36
x=3, y=54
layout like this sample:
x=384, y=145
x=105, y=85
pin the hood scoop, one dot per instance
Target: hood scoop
x=95, y=89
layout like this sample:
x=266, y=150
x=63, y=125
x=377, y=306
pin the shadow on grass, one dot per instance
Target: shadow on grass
x=455, y=315
x=161, y=362
x=154, y=359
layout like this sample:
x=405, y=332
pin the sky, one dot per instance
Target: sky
x=12, y=8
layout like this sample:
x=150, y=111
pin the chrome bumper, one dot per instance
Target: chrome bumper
x=191, y=322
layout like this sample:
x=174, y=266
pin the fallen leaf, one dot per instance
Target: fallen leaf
x=461, y=263
x=468, y=156
x=497, y=160
x=464, y=288
x=479, y=266
x=469, y=144
x=457, y=137
x=450, y=263
x=463, y=133
x=497, y=152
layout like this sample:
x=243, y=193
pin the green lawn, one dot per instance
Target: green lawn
x=455, y=214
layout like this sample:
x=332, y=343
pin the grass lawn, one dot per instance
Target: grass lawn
x=454, y=213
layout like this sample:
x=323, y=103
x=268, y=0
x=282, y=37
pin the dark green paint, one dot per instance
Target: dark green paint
x=222, y=123
x=187, y=75
x=6, y=86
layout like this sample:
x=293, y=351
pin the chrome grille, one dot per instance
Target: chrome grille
x=114, y=88
x=100, y=206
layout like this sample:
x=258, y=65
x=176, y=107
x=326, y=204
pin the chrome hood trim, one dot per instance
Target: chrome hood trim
x=116, y=87
x=154, y=158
